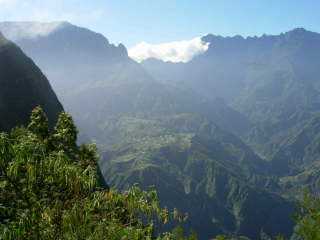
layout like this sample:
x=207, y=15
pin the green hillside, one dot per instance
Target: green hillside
x=202, y=170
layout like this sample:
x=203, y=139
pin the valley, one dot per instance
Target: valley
x=230, y=137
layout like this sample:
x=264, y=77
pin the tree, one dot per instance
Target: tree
x=65, y=134
x=48, y=193
x=178, y=233
x=39, y=123
x=308, y=218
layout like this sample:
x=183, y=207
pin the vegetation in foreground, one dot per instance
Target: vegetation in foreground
x=308, y=218
x=50, y=189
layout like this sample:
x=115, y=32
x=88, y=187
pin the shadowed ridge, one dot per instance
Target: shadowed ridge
x=23, y=87
x=3, y=40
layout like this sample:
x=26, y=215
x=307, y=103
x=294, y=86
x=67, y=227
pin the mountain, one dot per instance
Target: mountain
x=82, y=65
x=203, y=171
x=300, y=150
x=293, y=186
x=181, y=135
x=23, y=87
x=209, y=73
x=68, y=54
x=272, y=80
x=298, y=160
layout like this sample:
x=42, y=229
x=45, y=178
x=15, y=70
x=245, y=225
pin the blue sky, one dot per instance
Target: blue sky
x=156, y=21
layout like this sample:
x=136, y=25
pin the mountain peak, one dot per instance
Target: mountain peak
x=122, y=49
x=298, y=30
x=301, y=33
x=59, y=31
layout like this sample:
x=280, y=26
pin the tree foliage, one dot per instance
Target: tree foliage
x=49, y=189
x=39, y=123
x=308, y=218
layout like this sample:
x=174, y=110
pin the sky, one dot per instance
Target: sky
x=151, y=22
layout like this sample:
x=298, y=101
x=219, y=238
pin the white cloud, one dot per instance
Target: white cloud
x=24, y=30
x=179, y=51
x=48, y=13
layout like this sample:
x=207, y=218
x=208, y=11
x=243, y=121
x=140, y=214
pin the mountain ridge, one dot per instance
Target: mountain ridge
x=194, y=129
x=23, y=87
x=268, y=74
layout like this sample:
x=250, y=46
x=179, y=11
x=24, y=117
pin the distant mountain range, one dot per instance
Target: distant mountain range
x=232, y=136
x=272, y=80
x=83, y=65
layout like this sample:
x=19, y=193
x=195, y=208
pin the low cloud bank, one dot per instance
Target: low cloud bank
x=179, y=51
x=28, y=30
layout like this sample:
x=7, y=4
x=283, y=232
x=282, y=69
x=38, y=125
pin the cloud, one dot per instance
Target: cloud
x=75, y=11
x=179, y=51
x=27, y=30
x=47, y=15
